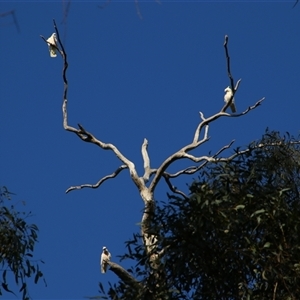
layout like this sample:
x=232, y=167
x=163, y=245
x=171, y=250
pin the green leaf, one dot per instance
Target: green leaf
x=247, y=240
x=264, y=275
x=267, y=245
x=284, y=190
x=241, y=206
x=37, y=276
x=101, y=288
x=23, y=287
x=5, y=286
x=258, y=212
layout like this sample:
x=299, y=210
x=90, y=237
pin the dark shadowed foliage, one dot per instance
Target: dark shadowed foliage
x=236, y=237
x=17, y=241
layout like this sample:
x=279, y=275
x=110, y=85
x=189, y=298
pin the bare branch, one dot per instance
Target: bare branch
x=6, y=13
x=173, y=188
x=224, y=114
x=123, y=274
x=253, y=148
x=65, y=66
x=193, y=169
x=246, y=111
x=202, y=118
x=295, y=3
x=85, y=135
x=94, y=186
x=228, y=64
x=146, y=159
x=16, y=21
x=198, y=130
x=182, y=153
x=13, y=14
x=188, y=171
x=66, y=9
x=234, y=88
x=237, y=85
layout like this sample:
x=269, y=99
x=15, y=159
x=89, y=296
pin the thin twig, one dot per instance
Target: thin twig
x=13, y=13
x=173, y=188
x=228, y=63
x=65, y=67
x=274, y=292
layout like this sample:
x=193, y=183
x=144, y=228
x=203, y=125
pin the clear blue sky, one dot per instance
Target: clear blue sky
x=129, y=79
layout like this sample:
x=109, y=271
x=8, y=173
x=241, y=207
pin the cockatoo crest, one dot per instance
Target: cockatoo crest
x=105, y=257
x=52, y=40
x=228, y=95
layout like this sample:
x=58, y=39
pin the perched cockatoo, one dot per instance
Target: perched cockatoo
x=105, y=256
x=228, y=96
x=52, y=41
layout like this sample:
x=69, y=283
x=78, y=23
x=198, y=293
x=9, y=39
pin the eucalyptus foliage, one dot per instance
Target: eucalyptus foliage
x=237, y=235
x=17, y=241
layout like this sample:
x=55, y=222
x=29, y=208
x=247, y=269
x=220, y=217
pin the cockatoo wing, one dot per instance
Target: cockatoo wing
x=52, y=40
x=232, y=106
x=102, y=263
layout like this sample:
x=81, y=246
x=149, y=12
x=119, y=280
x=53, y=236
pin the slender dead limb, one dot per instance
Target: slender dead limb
x=123, y=274
x=245, y=111
x=228, y=62
x=259, y=146
x=13, y=14
x=234, y=87
x=173, y=188
x=94, y=186
x=193, y=169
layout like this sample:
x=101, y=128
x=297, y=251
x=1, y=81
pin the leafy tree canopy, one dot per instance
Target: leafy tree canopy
x=17, y=241
x=237, y=236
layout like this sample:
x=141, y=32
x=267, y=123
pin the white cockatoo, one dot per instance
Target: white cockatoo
x=52, y=41
x=105, y=256
x=228, y=95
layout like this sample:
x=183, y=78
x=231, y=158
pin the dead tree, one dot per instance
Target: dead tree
x=147, y=182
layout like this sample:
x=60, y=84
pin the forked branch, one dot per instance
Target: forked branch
x=183, y=153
